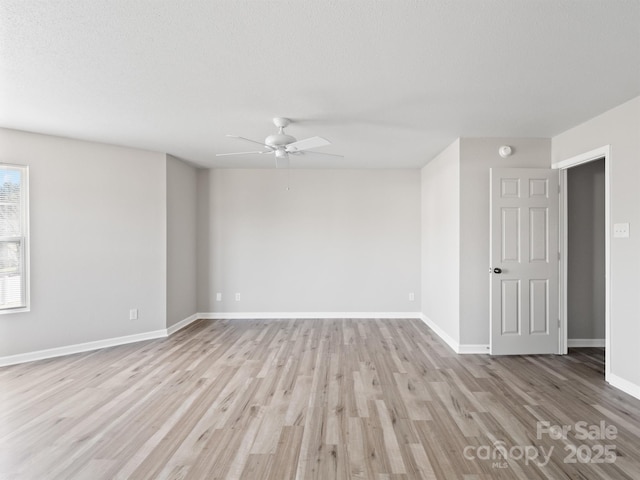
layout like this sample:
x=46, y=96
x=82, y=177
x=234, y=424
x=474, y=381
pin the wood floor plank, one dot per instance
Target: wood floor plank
x=310, y=399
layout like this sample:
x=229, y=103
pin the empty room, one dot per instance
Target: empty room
x=285, y=239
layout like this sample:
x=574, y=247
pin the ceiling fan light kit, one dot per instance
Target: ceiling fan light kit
x=281, y=144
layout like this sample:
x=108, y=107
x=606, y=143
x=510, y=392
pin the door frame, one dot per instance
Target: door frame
x=563, y=166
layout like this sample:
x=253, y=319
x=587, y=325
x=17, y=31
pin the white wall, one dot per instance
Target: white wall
x=440, y=265
x=477, y=156
x=336, y=241
x=181, y=240
x=620, y=128
x=98, y=242
x=586, y=251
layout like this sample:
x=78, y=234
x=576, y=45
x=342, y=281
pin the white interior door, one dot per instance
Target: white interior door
x=524, y=261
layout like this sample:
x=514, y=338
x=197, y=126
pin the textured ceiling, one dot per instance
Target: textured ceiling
x=390, y=83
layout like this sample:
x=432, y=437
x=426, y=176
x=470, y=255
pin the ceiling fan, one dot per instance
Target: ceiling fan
x=283, y=145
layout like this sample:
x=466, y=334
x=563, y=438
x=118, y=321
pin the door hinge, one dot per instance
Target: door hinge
x=558, y=188
x=558, y=255
x=558, y=323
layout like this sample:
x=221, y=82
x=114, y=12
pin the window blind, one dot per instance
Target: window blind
x=13, y=237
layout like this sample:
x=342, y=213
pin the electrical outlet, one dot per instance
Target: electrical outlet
x=218, y=297
x=237, y=297
x=621, y=230
x=133, y=314
x=412, y=296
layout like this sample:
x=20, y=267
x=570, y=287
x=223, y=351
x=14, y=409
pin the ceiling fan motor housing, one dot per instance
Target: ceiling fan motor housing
x=279, y=139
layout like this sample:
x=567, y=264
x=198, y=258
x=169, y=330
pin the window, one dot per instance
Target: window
x=14, y=238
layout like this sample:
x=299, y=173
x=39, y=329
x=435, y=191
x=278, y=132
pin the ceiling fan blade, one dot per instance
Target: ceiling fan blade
x=321, y=153
x=307, y=143
x=247, y=140
x=237, y=153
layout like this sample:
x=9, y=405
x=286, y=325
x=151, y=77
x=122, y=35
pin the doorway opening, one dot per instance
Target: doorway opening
x=585, y=255
x=584, y=252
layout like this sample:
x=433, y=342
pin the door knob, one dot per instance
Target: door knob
x=497, y=270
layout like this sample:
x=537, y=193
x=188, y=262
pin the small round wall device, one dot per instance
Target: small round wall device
x=505, y=151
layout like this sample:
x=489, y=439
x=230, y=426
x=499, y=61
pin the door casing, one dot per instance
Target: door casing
x=563, y=166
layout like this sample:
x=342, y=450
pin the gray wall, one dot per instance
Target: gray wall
x=98, y=243
x=477, y=156
x=619, y=128
x=181, y=240
x=204, y=267
x=441, y=240
x=586, y=251
x=336, y=241
x=455, y=230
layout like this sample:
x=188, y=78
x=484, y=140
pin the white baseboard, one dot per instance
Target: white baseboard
x=95, y=345
x=113, y=342
x=625, y=385
x=292, y=315
x=455, y=346
x=471, y=349
x=460, y=348
x=182, y=323
x=138, y=337
x=585, y=342
x=80, y=347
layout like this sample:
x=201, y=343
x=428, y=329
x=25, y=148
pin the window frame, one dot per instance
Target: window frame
x=24, y=239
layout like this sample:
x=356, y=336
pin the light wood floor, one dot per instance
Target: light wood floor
x=326, y=399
